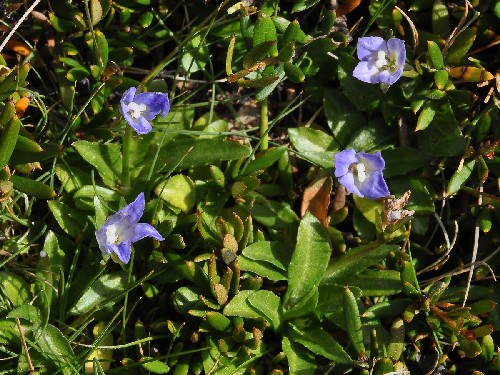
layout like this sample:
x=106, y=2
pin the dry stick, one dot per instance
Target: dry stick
x=32, y=369
x=449, y=247
x=461, y=270
x=412, y=27
x=476, y=245
x=18, y=23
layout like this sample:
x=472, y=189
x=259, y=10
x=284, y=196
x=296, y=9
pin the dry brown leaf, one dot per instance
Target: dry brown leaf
x=316, y=197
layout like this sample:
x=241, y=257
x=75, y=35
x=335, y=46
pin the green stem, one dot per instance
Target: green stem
x=264, y=125
x=127, y=137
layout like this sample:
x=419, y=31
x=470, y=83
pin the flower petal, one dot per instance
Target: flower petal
x=128, y=96
x=142, y=126
x=156, y=101
x=389, y=78
x=373, y=161
x=347, y=181
x=374, y=186
x=366, y=71
x=397, y=51
x=142, y=230
x=343, y=161
x=123, y=251
x=134, y=210
x=368, y=47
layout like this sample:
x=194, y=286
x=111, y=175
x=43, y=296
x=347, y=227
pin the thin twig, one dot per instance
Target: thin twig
x=23, y=341
x=460, y=270
x=18, y=23
x=476, y=245
x=449, y=247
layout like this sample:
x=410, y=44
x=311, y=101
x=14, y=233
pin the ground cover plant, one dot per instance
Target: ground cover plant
x=255, y=187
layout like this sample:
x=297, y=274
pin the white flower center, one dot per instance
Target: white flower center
x=112, y=235
x=137, y=110
x=361, y=172
x=381, y=59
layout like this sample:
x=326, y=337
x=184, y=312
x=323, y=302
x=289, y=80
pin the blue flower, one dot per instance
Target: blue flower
x=138, y=110
x=361, y=173
x=381, y=61
x=121, y=229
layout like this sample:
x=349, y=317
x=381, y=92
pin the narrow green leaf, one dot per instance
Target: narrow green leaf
x=33, y=188
x=356, y=260
x=8, y=138
x=300, y=361
x=294, y=73
x=309, y=260
x=397, y=339
x=318, y=341
x=102, y=291
x=460, y=177
x=354, y=328
x=269, y=304
x=264, y=31
x=435, y=55
x=257, y=53
x=461, y=46
x=426, y=114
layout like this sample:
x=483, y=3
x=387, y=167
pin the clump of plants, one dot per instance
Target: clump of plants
x=254, y=187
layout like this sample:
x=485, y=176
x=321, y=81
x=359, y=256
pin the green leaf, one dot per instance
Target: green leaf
x=217, y=320
x=435, y=55
x=460, y=177
x=440, y=19
x=15, y=288
x=265, y=159
x=397, y=339
x=265, y=31
x=179, y=191
x=275, y=253
x=239, y=306
x=342, y=116
x=198, y=152
x=56, y=347
x=402, y=160
x=315, y=145
x=309, y=260
x=32, y=187
x=257, y=53
x=195, y=55
x=427, y=114
x=98, y=10
x=302, y=5
x=353, y=322
x=106, y=158
x=300, y=361
x=269, y=305
x=461, y=46
x=68, y=219
x=442, y=137
x=294, y=73
x=104, y=290
x=356, y=260
x=9, y=131
x=318, y=341
x=377, y=282
x=263, y=269
x=154, y=366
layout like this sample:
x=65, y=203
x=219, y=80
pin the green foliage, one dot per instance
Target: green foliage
x=262, y=270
